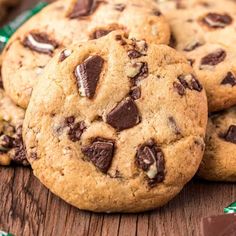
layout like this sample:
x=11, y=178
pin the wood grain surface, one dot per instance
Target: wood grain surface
x=27, y=208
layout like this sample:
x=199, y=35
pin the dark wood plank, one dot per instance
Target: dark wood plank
x=28, y=208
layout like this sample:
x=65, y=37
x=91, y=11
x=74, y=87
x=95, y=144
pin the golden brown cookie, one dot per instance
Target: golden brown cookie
x=64, y=22
x=204, y=30
x=219, y=162
x=116, y=124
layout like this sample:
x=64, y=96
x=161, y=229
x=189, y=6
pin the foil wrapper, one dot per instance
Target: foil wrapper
x=2, y=233
x=230, y=209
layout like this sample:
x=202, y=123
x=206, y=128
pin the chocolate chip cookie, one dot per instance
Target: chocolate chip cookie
x=116, y=124
x=11, y=143
x=219, y=162
x=204, y=30
x=63, y=22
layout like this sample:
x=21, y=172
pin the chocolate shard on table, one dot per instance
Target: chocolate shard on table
x=221, y=225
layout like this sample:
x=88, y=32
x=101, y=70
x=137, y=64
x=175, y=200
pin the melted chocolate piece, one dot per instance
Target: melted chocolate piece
x=100, y=153
x=40, y=42
x=100, y=33
x=83, y=8
x=119, y=7
x=214, y=58
x=143, y=73
x=191, y=61
x=173, y=125
x=230, y=136
x=229, y=79
x=132, y=54
x=215, y=20
x=150, y=159
x=156, y=12
x=135, y=93
x=6, y=143
x=221, y=225
x=179, y=88
x=124, y=116
x=76, y=129
x=190, y=82
x=192, y=46
x=18, y=153
x=173, y=41
x=88, y=74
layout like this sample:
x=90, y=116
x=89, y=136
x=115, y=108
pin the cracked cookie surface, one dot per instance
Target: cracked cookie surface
x=63, y=22
x=219, y=162
x=11, y=144
x=118, y=125
x=204, y=30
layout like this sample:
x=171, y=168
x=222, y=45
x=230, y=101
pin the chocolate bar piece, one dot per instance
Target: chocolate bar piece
x=221, y=225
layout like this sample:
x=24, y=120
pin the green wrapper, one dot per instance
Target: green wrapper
x=8, y=30
x=231, y=208
x=5, y=234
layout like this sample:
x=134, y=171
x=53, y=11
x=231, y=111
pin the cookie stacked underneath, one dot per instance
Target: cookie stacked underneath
x=116, y=119
x=204, y=30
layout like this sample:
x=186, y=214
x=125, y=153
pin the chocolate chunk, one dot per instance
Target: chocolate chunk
x=192, y=46
x=221, y=225
x=100, y=153
x=76, y=129
x=119, y=7
x=229, y=79
x=64, y=54
x=173, y=125
x=215, y=20
x=132, y=54
x=1, y=82
x=191, y=61
x=133, y=69
x=140, y=46
x=230, y=136
x=83, y=8
x=179, y=88
x=190, y=82
x=40, y=42
x=99, y=33
x=70, y=120
x=18, y=153
x=150, y=159
x=88, y=74
x=213, y=58
x=173, y=41
x=118, y=37
x=6, y=143
x=135, y=93
x=143, y=73
x=156, y=12
x=33, y=156
x=124, y=116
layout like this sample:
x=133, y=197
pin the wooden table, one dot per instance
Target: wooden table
x=27, y=208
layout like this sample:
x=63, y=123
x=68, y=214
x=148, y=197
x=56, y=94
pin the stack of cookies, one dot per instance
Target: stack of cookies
x=116, y=120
